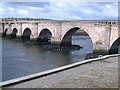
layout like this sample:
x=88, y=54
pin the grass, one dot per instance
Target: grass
x=79, y=38
x=56, y=43
x=100, y=51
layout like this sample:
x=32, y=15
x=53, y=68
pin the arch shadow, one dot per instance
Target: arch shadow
x=4, y=34
x=115, y=46
x=26, y=35
x=14, y=32
x=45, y=36
x=67, y=39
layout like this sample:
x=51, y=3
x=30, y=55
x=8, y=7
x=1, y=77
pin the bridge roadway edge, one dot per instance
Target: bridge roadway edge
x=52, y=71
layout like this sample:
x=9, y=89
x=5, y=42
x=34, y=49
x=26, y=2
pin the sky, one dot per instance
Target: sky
x=60, y=10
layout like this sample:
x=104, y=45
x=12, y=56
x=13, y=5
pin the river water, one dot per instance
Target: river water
x=21, y=58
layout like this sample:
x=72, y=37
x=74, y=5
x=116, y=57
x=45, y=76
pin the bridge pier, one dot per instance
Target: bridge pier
x=101, y=47
x=108, y=40
x=55, y=41
x=101, y=42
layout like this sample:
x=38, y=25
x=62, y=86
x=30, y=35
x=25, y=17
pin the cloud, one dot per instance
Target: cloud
x=23, y=12
x=85, y=10
x=111, y=10
x=28, y=4
x=61, y=10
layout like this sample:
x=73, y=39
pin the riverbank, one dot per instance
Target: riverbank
x=99, y=74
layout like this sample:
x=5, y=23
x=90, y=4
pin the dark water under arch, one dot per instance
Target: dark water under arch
x=44, y=36
x=14, y=33
x=4, y=33
x=26, y=34
x=115, y=47
x=67, y=39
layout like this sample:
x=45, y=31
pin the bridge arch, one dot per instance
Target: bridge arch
x=44, y=36
x=4, y=32
x=26, y=34
x=67, y=39
x=115, y=46
x=14, y=32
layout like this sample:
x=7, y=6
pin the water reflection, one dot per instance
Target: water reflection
x=20, y=58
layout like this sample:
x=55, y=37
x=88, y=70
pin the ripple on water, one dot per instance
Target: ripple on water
x=21, y=59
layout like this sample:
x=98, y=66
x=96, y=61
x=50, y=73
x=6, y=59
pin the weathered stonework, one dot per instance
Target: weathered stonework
x=103, y=35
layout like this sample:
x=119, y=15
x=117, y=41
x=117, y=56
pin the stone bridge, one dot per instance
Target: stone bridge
x=105, y=34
